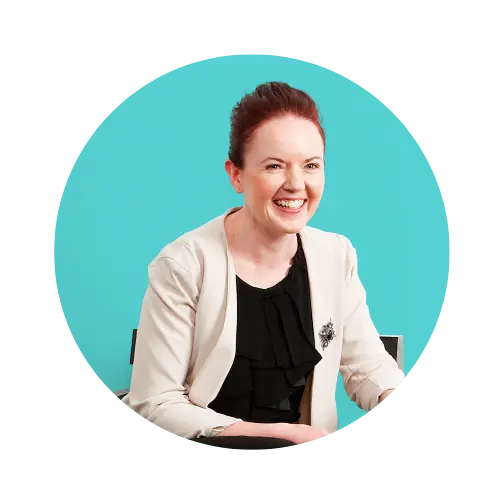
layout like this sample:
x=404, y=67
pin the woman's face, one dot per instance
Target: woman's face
x=282, y=179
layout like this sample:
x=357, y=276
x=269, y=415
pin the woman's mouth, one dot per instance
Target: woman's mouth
x=290, y=206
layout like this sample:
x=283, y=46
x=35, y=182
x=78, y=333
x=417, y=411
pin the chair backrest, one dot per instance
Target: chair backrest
x=133, y=342
x=394, y=344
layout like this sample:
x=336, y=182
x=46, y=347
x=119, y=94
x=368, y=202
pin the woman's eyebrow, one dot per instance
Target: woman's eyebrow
x=273, y=159
x=282, y=161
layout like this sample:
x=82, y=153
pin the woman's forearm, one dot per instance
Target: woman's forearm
x=278, y=430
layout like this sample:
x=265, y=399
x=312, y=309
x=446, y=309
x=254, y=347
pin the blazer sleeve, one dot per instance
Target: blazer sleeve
x=158, y=390
x=366, y=367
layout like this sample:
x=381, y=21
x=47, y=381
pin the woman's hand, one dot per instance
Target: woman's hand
x=301, y=433
x=384, y=395
x=297, y=433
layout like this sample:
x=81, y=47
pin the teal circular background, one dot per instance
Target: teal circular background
x=154, y=169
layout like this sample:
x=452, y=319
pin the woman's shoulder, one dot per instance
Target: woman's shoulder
x=329, y=247
x=191, y=248
x=330, y=239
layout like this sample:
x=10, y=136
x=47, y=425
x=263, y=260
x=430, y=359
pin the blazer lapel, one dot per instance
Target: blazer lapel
x=320, y=285
x=213, y=372
x=322, y=265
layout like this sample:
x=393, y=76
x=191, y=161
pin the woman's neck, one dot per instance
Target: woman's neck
x=253, y=243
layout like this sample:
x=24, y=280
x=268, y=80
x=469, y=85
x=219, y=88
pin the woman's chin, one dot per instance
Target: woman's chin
x=292, y=225
x=285, y=222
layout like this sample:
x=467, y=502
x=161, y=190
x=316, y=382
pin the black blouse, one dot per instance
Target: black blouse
x=275, y=350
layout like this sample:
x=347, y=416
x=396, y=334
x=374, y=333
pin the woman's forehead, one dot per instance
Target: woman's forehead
x=288, y=137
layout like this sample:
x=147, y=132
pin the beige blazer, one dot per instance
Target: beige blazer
x=187, y=333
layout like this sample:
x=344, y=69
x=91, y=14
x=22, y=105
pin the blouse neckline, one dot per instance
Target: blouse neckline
x=297, y=260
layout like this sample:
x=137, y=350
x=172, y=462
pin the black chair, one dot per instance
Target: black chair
x=393, y=344
x=121, y=393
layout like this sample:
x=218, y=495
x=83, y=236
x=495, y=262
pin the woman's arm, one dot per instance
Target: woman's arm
x=368, y=370
x=163, y=349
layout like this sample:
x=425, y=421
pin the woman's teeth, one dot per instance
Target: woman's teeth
x=290, y=203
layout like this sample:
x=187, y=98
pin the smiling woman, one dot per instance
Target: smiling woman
x=248, y=319
x=275, y=136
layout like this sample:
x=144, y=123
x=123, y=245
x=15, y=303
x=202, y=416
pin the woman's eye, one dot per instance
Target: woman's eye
x=311, y=166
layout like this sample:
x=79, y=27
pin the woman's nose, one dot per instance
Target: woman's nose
x=294, y=180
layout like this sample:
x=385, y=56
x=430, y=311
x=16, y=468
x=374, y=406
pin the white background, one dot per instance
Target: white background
x=66, y=66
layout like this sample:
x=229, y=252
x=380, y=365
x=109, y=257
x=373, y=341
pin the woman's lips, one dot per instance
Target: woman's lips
x=290, y=210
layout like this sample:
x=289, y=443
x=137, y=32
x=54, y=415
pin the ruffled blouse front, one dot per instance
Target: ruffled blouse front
x=275, y=350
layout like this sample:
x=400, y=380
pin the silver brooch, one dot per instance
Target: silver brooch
x=326, y=334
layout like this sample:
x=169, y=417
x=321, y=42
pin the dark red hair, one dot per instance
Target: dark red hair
x=268, y=101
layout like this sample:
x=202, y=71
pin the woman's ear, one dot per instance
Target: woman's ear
x=234, y=175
